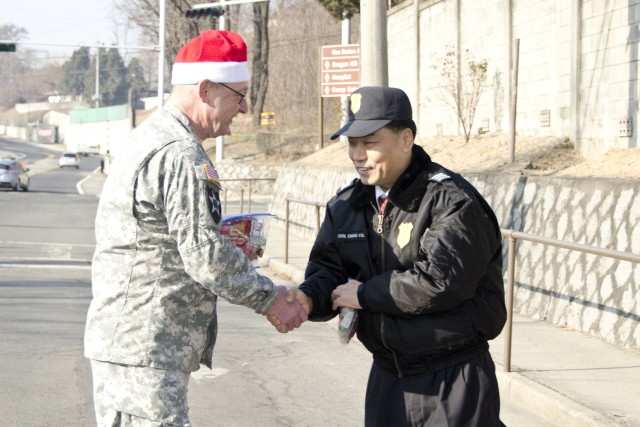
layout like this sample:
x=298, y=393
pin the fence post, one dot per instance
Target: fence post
x=511, y=262
x=286, y=232
x=317, y=219
x=225, y=203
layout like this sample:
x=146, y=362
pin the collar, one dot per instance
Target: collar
x=181, y=117
x=406, y=193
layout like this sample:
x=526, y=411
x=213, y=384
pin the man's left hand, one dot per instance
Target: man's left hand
x=346, y=295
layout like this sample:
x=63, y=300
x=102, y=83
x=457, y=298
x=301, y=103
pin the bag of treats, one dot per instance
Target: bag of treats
x=248, y=232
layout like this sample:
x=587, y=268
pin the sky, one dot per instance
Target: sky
x=75, y=22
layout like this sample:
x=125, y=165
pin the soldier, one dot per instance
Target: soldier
x=160, y=261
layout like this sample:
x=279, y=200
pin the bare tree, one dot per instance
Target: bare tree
x=298, y=28
x=283, y=38
x=462, y=82
x=260, y=80
x=145, y=14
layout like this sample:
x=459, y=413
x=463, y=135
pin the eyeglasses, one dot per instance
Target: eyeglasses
x=240, y=94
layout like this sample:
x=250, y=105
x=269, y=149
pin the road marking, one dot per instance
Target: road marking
x=10, y=242
x=46, y=266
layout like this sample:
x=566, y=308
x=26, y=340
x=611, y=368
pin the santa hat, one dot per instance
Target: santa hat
x=215, y=55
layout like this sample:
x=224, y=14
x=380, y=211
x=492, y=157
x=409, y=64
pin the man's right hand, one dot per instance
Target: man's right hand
x=295, y=297
x=286, y=313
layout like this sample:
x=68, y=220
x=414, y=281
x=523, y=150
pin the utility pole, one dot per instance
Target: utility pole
x=222, y=23
x=96, y=97
x=161, y=44
x=344, y=100
x=373, y=43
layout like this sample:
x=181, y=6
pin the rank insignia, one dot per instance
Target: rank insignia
x=404, y=234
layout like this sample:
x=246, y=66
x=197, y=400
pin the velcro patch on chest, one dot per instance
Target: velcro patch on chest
x=351, y=236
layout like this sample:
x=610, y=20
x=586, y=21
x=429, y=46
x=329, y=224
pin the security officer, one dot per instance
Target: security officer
x=160, y=261
x=425, y=252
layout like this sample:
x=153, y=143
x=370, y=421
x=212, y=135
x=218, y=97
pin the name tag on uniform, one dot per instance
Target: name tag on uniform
x=352, y=235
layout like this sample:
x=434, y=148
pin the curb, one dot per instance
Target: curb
x=548, y=404
x=293, y=273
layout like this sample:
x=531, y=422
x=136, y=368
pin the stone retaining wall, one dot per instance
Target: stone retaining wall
x=595, y=295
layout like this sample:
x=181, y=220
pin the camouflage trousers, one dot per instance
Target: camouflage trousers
x=139, y=396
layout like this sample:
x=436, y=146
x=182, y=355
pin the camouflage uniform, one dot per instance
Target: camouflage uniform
x=160, y=260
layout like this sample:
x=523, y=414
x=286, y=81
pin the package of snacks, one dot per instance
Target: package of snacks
x=248, y=232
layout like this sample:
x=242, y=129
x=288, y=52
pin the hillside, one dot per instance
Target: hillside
x=534, y=156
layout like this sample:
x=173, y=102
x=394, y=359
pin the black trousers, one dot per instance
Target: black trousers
x=463, y=395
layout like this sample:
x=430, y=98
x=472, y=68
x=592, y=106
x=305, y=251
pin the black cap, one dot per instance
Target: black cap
x=373, y=107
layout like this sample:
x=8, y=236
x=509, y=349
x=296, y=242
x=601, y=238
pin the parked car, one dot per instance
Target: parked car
x=14, y=175
x=69, y=159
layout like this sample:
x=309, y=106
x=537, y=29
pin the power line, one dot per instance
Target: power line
x=152, y=48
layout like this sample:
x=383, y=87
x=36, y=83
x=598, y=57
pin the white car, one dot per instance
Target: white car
x=69, y=159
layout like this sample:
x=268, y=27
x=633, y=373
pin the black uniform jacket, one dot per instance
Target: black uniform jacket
x=431, y=267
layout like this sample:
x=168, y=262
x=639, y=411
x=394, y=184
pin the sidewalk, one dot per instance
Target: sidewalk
x=562, y=376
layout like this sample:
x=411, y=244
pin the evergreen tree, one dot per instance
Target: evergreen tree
x=341, y=9
x=114, y=82
x=113, y=85
x=136, y=78
x=74, y=71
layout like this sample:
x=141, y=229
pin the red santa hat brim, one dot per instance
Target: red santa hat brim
x=216, y=55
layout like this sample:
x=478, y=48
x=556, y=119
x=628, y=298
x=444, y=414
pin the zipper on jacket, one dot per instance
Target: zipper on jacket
x=380, y=231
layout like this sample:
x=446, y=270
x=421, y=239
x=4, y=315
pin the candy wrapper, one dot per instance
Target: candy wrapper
x=348, y=324
x=248, y=232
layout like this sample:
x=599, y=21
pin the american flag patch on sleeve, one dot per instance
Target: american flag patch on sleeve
x=211, y=174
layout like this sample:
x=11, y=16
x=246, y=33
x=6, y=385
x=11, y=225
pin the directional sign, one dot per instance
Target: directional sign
x=340, y=69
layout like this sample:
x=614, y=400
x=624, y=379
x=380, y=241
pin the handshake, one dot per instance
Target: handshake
x=290, y=309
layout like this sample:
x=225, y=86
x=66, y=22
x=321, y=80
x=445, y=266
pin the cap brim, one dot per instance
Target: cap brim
x=360, y=128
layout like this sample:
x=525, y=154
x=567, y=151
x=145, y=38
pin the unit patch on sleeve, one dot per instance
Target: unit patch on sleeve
x=213, y=203
x=210, y=186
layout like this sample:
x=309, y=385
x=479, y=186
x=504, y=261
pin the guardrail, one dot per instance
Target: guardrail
x=318, y=205
x=241, y=190
x=512, y=236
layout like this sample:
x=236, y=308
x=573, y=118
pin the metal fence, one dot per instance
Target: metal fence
x=512, y=237
x=317, y=205
x=241, y=190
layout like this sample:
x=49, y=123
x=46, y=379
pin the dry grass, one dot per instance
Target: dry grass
x=490, y=152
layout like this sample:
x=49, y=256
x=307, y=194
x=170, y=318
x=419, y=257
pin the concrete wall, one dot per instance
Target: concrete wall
x=235, y=177
x=595, y=295
x=578, y=66
x=17, y=132
x=108, y=135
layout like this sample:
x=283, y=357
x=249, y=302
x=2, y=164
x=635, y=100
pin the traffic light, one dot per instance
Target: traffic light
x=205, y=12
x=7, y=47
